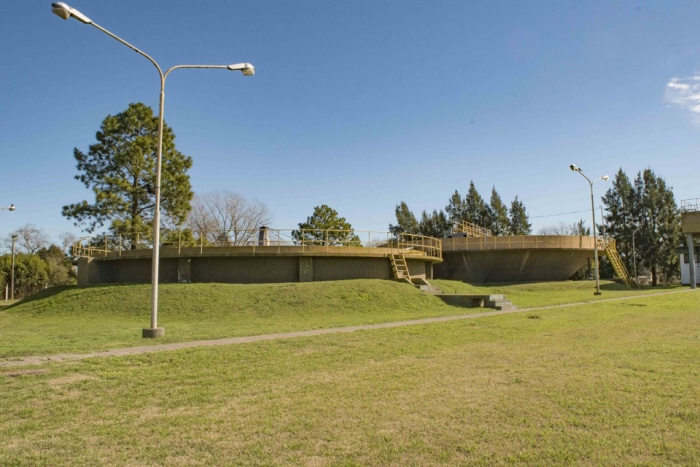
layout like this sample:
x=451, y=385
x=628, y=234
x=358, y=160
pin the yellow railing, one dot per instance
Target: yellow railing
x=470, y=229
x=308, y=240
x=517, y=242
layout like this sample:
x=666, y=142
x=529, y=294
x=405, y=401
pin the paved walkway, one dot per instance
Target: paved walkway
x=289, y=335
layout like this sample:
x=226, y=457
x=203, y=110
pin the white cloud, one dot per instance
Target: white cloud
x=685, y=93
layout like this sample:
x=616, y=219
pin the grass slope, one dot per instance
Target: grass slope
x=601, y=384
x=86, y=319
x=83, y=319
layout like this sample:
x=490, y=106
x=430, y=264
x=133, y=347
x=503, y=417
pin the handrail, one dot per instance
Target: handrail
x=517, y=242
x=332, y=240
x=470, y=229
x=690, y=205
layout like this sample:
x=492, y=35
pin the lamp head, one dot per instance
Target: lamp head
x=246, y=68
x=605, y=177
x=574, y=168
x=62, y=10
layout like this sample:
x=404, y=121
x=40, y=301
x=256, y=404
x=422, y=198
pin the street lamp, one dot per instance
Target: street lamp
x=634, y=254
x=12, y=269
x=595, y=240
x=64, y=11
x=11, y=207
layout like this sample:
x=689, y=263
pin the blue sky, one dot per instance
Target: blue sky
x=360, y=104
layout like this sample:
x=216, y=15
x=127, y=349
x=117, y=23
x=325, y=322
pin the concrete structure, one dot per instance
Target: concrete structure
x=690, y=225
x=685, y=267
x=266, y=257
x=250, y=264
x=518, y=258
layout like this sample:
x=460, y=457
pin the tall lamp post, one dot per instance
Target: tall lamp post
x=11, y=208
x=12, y=269
x=595, y=240
x=65, y=12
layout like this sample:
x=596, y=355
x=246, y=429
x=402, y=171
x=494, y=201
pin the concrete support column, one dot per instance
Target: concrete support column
x=691, y=260
x=306, y=269
x=184, y=270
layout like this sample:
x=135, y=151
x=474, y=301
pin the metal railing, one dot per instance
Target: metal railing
x=470, y=229
x=267, y=240
x=690, y=205
x=517, y=242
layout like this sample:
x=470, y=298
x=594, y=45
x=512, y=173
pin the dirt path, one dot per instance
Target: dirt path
x=289, y=335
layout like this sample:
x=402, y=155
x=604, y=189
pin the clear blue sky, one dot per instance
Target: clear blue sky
x=360, y=104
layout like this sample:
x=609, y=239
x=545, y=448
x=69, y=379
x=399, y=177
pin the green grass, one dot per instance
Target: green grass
x=102, y=317
x=536, y=294
x=86, y=319
x=611, y=383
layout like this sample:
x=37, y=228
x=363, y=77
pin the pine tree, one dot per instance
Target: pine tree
x=519, y=224
x=659, y=235
x=621, y=204
x=498, y=214
x=405, y=221
x=434, y=225
x=476, y=211
x=456, y=209
x=121, y=170
x=326, y=227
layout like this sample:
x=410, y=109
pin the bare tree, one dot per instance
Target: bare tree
x=67, y=240
x=561, y=228
x=30, y=239
x=227, y=217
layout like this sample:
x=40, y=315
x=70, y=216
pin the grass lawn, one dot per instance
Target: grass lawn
x=86, y=319
x=611, y=383
x=536, y=294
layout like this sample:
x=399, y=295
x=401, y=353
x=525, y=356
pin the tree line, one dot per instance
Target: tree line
x=643, y=218
x=494, y=215
x=38, y=262
x=120, y=170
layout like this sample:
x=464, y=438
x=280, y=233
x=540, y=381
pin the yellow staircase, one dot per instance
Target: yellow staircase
x=614, y=257
x=400, y=268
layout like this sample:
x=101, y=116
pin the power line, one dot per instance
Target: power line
x=559, y=214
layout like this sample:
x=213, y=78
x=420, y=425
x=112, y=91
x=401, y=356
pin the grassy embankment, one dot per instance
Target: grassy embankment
x=612, y=383
x=97, y=318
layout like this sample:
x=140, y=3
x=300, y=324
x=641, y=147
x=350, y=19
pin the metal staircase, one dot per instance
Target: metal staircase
x=614, y=257
x=400, y=267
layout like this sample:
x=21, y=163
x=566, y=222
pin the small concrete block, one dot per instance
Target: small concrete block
x=149, y=333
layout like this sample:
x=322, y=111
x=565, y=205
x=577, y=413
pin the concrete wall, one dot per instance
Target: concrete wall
x=511, y=265
x=690, y=222
x=243, y=269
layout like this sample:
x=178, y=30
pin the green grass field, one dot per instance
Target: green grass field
x=612, y=383
x=86, y=319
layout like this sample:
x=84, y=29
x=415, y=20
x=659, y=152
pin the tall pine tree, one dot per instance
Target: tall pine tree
x=405, y=221
x=121, y=170
x=498, y=214
x=519, y=224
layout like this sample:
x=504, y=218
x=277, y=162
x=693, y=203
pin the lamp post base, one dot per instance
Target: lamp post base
x=149, y=333
x=594, y=293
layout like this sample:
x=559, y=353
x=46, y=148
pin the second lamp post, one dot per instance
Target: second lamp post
x=595, y=240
